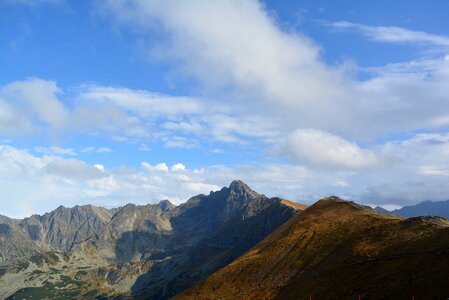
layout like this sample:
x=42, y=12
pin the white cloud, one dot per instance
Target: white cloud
x=178, y=168
x=270, y=82
x=162, y=167
x=39, y=184
x=223, y=44
x=393, y=34
x=142, y=103
x=33, y=106
x=71, y=169
x=217, y=151
x=55, y=150
x=179, y=142
x=99, y=167
x=193, y=127
x=38, y=98
x=159, y=167
x=322, y=149
x=103, y=150
x=120, y=139
x=260, y=87
x=88, y=149
x=144, y=148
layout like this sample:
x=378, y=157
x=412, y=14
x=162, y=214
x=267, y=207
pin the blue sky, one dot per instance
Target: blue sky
x=109, y=102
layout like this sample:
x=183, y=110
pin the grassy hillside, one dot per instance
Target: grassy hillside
x=339, y=250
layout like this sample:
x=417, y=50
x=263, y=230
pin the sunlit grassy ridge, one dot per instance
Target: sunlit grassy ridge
x=339, y=250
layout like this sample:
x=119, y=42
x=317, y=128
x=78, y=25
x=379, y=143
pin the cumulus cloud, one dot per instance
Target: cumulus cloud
x=322, y=149
x=178, y=167
x=259, y=86
x=40, y=183
x=99, y=167
x=159, y=167
x=71, y=169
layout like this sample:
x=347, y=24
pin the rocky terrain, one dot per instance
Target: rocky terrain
x=230, y=244
x=58, y=230
x=337, y=249
x=151, y=252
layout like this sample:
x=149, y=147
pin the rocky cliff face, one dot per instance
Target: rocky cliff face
x=208, y=232
x=14, y=243
x=58, y=230
x=64, y=227
x=152, y=251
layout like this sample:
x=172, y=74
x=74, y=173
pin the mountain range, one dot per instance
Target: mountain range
x=152, y=251
x=430, y=208
x=230, y=244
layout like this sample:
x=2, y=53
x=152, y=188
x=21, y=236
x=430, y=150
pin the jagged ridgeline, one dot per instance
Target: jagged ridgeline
x=152, y=251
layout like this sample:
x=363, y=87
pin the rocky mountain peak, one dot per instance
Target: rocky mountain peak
x=238, y=184
x=166, y=205
x=168, y=247
x=242, y=189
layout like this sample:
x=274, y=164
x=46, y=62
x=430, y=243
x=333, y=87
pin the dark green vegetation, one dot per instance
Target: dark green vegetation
x=339, y=250
x=47, y=257
x=3, y=271
x=66, y=288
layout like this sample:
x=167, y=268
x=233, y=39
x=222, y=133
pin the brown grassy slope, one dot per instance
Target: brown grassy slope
x=338, y=250
x=295, y=205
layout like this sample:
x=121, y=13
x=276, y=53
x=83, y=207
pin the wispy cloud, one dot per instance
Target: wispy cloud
x=55, y=150
x=96, y=150
x=393, y=34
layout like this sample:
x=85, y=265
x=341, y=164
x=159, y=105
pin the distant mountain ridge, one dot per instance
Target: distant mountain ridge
x=426, y=208
x=152, y=251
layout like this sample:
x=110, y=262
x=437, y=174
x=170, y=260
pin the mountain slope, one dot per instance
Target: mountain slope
x=152, y=251
x=58, y=230
x=208, y=232
x=14, y=243
x=64, y=227
x=339, y=250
